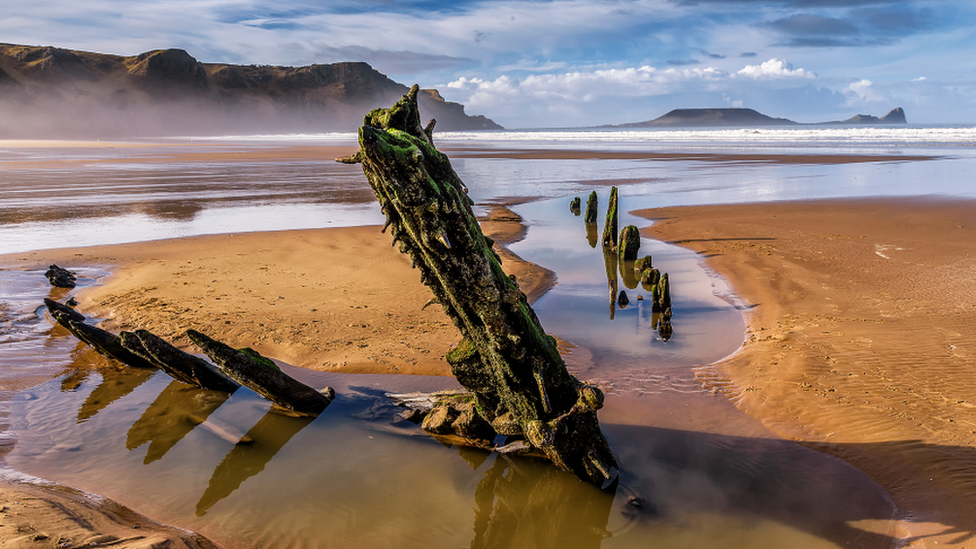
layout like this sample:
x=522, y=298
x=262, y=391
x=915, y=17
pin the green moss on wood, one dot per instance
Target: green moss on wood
x=506, y=359
x=592, y=205
x=629, y=243
x=610, y=229
x=259, y=358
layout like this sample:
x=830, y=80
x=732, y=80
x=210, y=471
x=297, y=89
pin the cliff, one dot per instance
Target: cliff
x=53, y=92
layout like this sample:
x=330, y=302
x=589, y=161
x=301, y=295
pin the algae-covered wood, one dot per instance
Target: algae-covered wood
x=610, y=228
x=178, y=364
x=520, y=382
x=263, y=376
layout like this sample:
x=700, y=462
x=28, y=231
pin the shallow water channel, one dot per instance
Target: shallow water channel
x=695, y=472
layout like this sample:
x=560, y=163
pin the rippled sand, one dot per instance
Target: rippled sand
x=861, y=315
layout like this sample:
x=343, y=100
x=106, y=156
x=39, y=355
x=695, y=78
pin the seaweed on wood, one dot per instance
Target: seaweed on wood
x=520, y=383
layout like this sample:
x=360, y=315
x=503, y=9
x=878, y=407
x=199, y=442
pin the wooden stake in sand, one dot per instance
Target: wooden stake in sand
x=610, y=228
x=518, y=380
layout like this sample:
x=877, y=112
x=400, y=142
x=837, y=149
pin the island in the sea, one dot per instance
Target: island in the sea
x=738, y=117
x=54, y=92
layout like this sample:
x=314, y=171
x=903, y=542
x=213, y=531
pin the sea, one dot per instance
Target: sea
x=695, y=472
x=75, y=196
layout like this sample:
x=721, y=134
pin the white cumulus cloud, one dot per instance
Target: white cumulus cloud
x=644, y=88
x=864, y=91
x=585, y=85
x=774, y=69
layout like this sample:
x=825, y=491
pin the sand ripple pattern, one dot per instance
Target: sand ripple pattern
x=865, y=355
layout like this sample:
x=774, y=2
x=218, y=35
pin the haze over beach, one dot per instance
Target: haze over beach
x=573, y=63
x=801, y=170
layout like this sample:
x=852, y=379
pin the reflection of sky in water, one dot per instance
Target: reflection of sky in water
x=96, y=196
x=706, y=328
x=142, y=227
x=353, y=478
x=356, y=477
x=673, y=183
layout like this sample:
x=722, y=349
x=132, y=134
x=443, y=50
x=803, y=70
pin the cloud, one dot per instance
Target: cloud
x=570, y=56
x=512, y=100
x=533, y=66
x=864, y=93
x=787, y=3
x=854, y=27
x=806, y=24
x=772, y=70
x=583, y=86
x=711, y=55
x=390, y=62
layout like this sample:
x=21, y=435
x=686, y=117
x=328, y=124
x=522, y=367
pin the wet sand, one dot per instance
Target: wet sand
x=860, y=317
x=231, y=151
x=368, y=303
x=739, y=158
x=341, y=300
x=51, y=515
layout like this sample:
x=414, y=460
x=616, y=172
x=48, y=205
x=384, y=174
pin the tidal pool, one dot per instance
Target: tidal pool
x=694, y=471
x=358, y=476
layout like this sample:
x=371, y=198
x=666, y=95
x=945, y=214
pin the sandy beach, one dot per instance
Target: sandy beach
x=340, y=300
x=860, y=317
x=858, y=314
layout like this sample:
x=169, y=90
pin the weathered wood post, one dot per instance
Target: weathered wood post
x=519, y=382
x=629, y=243
x=592, y=205
x=610, y=228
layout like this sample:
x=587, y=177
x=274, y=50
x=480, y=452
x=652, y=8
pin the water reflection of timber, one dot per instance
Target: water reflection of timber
x=269, y=436
x=610, y=262
x=628, y=273
x=520, y=503
x=177, y=410
x=117, y=382
x=591, y=235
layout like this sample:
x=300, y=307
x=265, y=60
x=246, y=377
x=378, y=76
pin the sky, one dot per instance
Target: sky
x=571, y=63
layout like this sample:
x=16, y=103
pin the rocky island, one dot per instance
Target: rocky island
x=748, y=117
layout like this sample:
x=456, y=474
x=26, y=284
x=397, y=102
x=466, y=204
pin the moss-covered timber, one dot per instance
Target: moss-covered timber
x=610, y=228
x=574, y=206
x=592, y=207
x=520, y=382
x=178, y=364
x=105, y=343
x=629, y=243
x=255, y=373
x=67, y=313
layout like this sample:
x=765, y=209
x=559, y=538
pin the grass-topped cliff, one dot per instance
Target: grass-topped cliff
x=53, y=92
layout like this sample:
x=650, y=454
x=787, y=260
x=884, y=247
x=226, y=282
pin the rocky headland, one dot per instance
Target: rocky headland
x=54, y=92
x=748, y=117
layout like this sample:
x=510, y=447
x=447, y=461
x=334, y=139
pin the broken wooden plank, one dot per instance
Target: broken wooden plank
x=104, y=342
x=262, y=376
x=67, y=313
x=178, y=364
